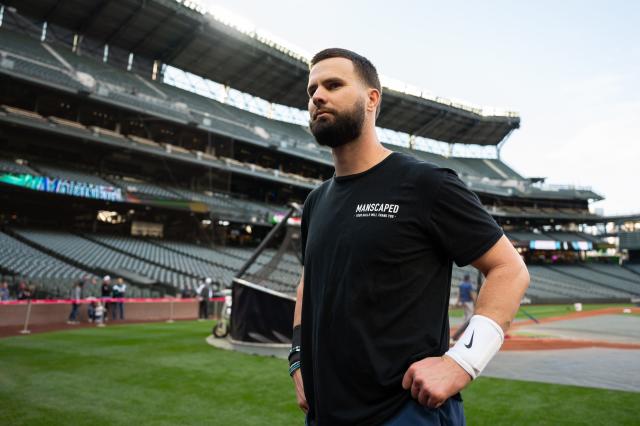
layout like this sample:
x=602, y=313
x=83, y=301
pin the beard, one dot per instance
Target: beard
x=345, y=127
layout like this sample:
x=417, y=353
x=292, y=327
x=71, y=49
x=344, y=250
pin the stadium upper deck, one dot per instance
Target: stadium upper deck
x=55, y=65
x=181, y=34
x=69, y=118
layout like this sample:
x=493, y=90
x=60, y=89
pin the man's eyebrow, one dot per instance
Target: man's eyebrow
x=333, y=80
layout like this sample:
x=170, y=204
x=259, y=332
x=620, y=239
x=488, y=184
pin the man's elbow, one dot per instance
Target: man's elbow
x=517, y=276
x=523, y=278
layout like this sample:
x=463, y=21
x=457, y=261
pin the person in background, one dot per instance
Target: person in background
x=466, y=299
x=4, y=291
x=24, y=293
x=91, y=308
x=105, y=294
x=90, y=283
x=76, y=297
x=99, y=314
x=205, y=293
x=88, y=288
x=119, y=290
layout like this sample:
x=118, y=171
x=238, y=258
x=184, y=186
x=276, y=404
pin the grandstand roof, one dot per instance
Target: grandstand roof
x=622, y=218
x=202, y=44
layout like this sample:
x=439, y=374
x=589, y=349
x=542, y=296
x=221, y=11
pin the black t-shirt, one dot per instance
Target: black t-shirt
x=105, y=290
x=378, y=248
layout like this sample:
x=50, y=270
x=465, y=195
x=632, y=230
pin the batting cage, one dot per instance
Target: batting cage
x=263, y=291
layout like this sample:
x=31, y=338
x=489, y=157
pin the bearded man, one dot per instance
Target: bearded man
x=371, y=331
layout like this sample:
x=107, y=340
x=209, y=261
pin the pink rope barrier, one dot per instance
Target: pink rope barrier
x=107, y=299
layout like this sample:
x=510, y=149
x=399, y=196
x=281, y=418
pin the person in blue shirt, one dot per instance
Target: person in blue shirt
x=4, y=291
x=466, y=299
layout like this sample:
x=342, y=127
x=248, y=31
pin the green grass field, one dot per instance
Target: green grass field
x=166, y=374
x=545, y=311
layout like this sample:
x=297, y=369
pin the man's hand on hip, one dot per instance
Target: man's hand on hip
x=433, y=380
x=302, y=400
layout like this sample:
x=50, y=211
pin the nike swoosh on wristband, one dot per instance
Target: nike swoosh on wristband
x=468, y=346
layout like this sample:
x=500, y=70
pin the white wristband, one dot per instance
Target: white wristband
x=477, y=345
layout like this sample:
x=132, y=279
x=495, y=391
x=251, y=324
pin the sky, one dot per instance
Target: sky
x=571, y=69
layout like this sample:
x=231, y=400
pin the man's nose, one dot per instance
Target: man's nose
x=319, y=97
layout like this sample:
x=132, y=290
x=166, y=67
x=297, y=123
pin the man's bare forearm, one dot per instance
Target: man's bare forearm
x=500, y=296
x=297, y=313
x=507, y=279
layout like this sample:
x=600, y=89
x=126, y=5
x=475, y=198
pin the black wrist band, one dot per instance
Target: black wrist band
x=294, y=353
x=293, y=367
x=296, y=337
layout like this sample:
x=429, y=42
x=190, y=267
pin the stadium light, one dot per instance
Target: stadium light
x=245, y=26
x=283, y=46
x=110, y=217
x=230, y=19
x=408, y=89
x=193, y=5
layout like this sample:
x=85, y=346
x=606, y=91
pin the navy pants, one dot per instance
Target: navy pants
x=451, y=413
x=119, y=307
x=73, y=316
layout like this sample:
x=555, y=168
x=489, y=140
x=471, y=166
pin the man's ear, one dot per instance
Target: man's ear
x=373, y=99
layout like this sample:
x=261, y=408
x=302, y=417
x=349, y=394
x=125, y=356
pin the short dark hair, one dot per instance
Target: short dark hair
x=364, y=68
